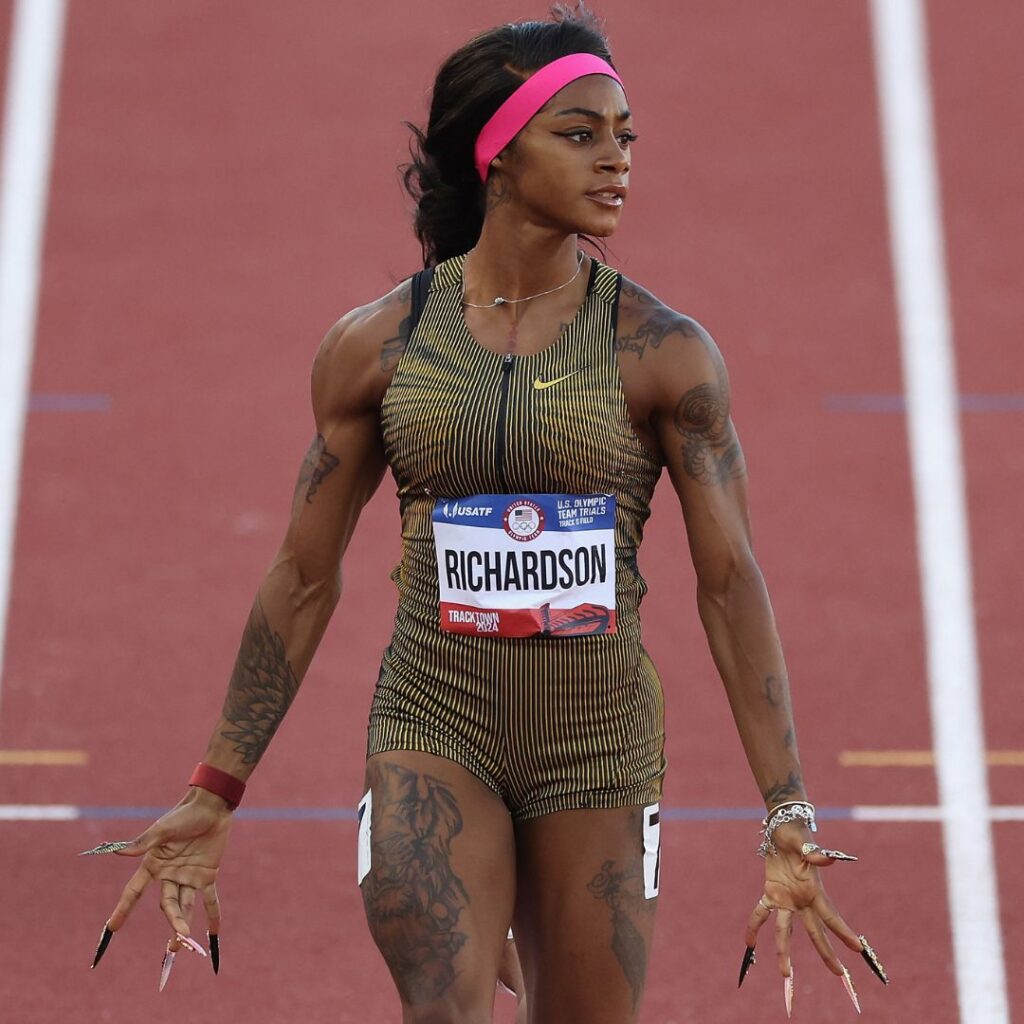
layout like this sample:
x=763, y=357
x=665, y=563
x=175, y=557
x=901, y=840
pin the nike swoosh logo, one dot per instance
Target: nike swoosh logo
x=540, y=385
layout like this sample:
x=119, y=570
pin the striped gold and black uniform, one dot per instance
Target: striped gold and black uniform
x=549, y=723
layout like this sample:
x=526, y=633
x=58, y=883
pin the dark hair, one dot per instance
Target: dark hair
x=470, y=86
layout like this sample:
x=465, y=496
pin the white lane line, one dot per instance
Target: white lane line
x=1003, y=812
x=900, y=38
x=38, y=812
x=27, y=145
x=1006, y=814
x=896, y=813
x=69, y=812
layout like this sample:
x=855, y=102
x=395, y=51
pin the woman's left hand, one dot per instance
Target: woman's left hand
x=793, y=889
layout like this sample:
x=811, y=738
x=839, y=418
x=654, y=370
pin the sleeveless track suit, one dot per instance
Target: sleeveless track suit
x=549, y=723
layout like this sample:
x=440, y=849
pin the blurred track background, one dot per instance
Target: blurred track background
x=224, y=187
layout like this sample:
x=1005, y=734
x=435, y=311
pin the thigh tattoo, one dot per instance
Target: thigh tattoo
x=413, y=897
x=621, y=888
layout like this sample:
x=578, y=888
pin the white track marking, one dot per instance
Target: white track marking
x=39, y=812
x=900, y=37
x=69, y=812
x=896, y=813
x=1006, y=814
x=29, y=115
x=1010, y=812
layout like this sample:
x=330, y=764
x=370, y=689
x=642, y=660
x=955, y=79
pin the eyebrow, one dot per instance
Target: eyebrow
x=593, y=114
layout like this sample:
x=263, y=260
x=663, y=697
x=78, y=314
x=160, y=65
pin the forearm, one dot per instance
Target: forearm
x=285, y=626
x=746, y=649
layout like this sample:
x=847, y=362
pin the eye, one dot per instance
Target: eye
x=582, y=135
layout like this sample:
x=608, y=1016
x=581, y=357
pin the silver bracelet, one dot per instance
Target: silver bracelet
x=782, y=815
x=787, y=803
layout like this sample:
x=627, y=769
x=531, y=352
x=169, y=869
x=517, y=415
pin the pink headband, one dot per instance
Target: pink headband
x=511, y=117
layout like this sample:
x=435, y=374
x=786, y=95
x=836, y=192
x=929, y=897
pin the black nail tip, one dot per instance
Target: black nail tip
x=102, y=947
x=871, y=959
x=749, y=959
x=214, y=941
x=876, y=969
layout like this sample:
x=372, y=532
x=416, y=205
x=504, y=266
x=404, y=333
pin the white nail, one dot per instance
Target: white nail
x=165, y=969
x=190, y=944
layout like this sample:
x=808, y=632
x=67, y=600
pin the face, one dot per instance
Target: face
x=569, y=167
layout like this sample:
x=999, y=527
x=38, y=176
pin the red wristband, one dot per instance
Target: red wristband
x=221, y=784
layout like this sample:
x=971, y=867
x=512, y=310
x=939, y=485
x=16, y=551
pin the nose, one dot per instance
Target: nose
x=613, y=157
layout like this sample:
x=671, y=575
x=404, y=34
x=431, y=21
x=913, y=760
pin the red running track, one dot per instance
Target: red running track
x=223, y=189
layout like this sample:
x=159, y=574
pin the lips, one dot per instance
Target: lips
x=609, y=195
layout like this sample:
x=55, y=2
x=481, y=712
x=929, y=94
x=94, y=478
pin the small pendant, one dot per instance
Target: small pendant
x=499, y=301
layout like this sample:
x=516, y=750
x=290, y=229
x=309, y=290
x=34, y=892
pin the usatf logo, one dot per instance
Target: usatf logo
x=452, y=510
x=523, y=520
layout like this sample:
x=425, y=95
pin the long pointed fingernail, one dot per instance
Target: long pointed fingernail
x=101, y=948
x=165, y=967
x=749, y=959
x=787, y=992
x=106, y=848
x=837, y=854
x=190, y=943
x=214, y=941
x=850, y=990
x=871, y=959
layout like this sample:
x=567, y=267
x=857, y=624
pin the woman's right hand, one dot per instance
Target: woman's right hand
x=182, y=851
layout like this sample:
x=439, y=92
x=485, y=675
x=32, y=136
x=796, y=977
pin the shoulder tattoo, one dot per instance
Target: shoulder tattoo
x=656, y=323
x=392, y=348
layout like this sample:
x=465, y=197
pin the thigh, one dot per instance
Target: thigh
x=585, y=908
x=438, y=882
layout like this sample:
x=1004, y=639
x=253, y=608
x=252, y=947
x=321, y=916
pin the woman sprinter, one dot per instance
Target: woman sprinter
x=525, y=397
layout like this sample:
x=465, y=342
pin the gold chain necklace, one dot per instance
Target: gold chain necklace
x=502, y=301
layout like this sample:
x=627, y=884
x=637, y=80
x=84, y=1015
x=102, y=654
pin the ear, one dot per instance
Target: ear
x=496, y=184
x=505, y=157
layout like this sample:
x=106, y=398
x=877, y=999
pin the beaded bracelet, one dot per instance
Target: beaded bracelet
x=792, y=810
x=218, y=782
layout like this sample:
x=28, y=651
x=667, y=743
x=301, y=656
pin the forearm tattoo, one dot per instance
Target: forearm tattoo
x=412, y=895
x=780, y=792
x=622, y=889
x=393, y=348
x=776, y=691
x=261, y=690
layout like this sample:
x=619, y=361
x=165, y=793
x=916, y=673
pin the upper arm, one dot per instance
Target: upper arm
x=678, y=382
x=345, y=461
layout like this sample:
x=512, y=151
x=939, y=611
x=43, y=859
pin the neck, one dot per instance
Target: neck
x=518, y=263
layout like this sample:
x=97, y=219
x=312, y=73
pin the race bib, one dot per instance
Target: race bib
x=526, y=564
